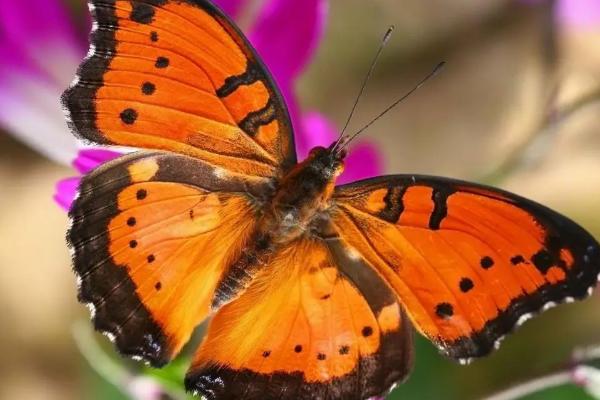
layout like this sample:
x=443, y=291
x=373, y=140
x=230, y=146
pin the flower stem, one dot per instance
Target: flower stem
x=528, y=150
x=100, y=362
x=533, y=386
x=110, y=370
x=578, y=373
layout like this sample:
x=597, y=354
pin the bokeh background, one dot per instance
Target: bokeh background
x=518, y=106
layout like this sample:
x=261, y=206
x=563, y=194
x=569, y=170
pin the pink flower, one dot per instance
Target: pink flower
x=39, y=52
x=87, y=160
x=580, y=14
x=574, y=14
x=34, y=76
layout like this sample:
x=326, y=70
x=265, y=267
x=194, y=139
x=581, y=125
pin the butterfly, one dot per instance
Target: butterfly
x=312, y=289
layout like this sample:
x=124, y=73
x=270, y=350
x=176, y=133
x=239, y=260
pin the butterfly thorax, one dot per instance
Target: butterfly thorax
x=302, y=196
x=301, y=199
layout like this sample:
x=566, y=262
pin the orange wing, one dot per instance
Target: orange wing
x=305, y=329
x=468, y=262
x=177, y=75
x=152, y=234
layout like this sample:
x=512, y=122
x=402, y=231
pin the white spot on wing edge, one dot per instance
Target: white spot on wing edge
x=92, y=309
x=523, y=318
x=549, y=305
x=465, y=361
x=111, y=336
x=499, y=341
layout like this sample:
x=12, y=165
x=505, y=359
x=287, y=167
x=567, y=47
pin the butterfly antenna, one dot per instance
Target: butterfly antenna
x=384, y=41
x=433, y=73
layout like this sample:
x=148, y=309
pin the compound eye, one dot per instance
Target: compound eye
x=316, y=150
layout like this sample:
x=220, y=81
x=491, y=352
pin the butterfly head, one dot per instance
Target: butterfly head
x=327, y=160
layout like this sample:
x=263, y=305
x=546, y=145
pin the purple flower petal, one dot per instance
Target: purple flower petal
x=88, y=159
x=30, y=110
x=286, y=34
x=42, y=33
x=318, y=131
x=578, y=13
x=145, y=388
x=364, y=161
x=65, y=191
x=39, y=53
x=231, y=7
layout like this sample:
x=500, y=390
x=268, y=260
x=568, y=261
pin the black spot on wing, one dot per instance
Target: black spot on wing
x=487, y=262
x=129, y=116
x=148, y=88
x=162, y=62
x=344, y=350
x=444, y=310
x=516, y=260
x=142, y=13
x=466, y=285
x=543, y=261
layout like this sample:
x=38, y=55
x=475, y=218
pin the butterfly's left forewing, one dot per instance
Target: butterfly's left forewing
x=468, y=262
x=305, y=329
x=177, y=75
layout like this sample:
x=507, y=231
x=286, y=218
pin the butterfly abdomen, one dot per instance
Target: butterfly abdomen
x=239, y=275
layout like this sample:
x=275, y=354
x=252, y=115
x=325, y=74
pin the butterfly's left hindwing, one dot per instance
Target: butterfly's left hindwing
x=151, y=236
x=468, y=262
x=305, y=330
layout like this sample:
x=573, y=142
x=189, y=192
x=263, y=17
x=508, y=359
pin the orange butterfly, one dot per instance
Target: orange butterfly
x=313, y=289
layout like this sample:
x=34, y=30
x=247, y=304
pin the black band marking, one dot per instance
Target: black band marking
x=250, y=76
x=256, y=119
x=119, y=309
x=394, y=205
x=440, y=210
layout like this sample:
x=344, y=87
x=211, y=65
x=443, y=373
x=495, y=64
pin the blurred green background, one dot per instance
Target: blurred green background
x=509, y=65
